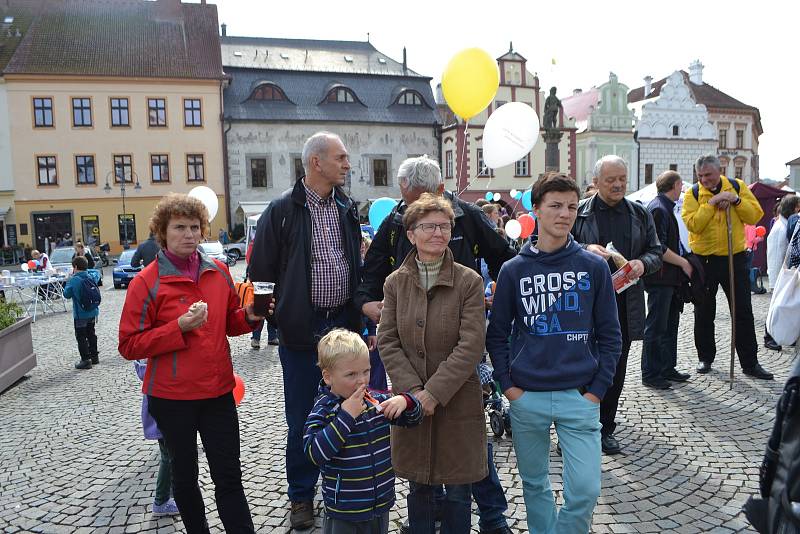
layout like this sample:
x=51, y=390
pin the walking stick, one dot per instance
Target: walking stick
x=731, y=289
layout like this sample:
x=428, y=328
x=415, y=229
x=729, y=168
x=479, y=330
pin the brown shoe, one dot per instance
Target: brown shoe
x=302, y=515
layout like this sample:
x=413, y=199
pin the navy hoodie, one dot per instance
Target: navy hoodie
x=554, y=322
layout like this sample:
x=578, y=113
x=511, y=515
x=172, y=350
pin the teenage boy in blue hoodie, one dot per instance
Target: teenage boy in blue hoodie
x=554, y=339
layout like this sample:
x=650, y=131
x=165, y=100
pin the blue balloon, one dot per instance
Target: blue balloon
x=526, y=200
x=518, y=195
x=489, y=196
x=380, y=209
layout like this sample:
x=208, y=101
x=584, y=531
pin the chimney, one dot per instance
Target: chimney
x=439, y=94
x=405, y=64
x=224, y=29
x=648, y=85
x=576, y=92
x=696, y=72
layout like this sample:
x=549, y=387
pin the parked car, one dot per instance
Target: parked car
x=123, y=271
x=215, y=250
x=237, y=248
x=61, y=260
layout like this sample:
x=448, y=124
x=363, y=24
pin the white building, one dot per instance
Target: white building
x=794, y=174
x=284, y=90
x=673, y=130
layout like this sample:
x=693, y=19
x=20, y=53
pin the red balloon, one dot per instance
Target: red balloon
x=528, y=224
x=32, y=265
x=761, y=231
x=238, y=389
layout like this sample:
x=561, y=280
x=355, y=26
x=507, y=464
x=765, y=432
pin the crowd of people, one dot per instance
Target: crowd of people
x=444, y=286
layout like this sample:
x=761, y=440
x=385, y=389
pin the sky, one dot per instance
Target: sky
x=749, y=49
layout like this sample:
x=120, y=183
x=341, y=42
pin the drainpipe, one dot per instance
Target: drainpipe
x=638, y=160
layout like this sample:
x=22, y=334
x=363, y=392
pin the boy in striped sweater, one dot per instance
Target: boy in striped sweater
x=347, y=437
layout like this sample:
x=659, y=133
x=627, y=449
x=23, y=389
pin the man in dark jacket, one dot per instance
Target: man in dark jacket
x=474, y=237
x=145, y=252
x=609, y=217
x=660, y=347
x=308, y=242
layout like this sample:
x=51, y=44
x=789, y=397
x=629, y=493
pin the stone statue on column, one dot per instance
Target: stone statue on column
x=552, y=134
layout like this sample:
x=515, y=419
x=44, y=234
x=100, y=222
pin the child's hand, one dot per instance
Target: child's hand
x=394, y=407
x=354, y=405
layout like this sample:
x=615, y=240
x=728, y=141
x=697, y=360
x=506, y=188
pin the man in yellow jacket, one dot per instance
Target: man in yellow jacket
x=703, y=212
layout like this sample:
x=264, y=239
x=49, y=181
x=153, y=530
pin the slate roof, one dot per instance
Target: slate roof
x=795, y=161
x=130, y=38
x=309, y=55
x=11, y=33
x=307, y=90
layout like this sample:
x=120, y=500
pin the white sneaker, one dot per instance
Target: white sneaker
x=255, y=343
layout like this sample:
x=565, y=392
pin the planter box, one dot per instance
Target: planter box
x=16, y=352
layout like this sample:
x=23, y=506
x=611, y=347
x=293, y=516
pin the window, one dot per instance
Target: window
x=119, y=112
x=448, y=164
x=739, y=139
x=299, y=171
x=46, y=167
x=522, y=166
x=723, y=138
x=127, y=228
x=675, y=130
x=482, y=169
x=673, y=167
x=156, y=112
x=380, y=172
x=499, y=103
x=159, y=168
x=258, y=173
x=340, y=95
x=84, y=167
x=410, y=98
x=123, y=168
x=43, y=112
x=268, y=92
x=192, y=118
x=81, y=112
x=738, y=173
x=648, y=173
x=194, y=168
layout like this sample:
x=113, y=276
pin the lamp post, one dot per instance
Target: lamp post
x=122, y=179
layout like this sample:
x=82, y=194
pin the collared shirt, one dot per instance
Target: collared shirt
x=330, y=272
x=614, y=226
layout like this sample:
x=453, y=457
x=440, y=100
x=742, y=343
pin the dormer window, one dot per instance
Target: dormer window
x=340, y=95
x=676, y=130
x=268, y=91
x=410, y=98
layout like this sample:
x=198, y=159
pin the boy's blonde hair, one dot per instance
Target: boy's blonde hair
x=339, y=343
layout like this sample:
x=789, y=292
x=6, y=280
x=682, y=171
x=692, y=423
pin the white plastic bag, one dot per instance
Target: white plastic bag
x=783, y=317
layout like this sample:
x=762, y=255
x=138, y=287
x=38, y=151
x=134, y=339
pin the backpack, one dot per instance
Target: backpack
x=245, y=292
x=90, y=294
x=778, y=509
x=696, y=187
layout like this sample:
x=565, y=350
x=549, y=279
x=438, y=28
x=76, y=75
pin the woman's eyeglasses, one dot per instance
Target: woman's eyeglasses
x=430, y=228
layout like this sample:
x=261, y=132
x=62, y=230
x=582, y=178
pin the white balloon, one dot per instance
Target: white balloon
x=513, y=229
x=510, y=133
x=207, y=196
x=24, y=267
x=513, y=193
x=497, y=197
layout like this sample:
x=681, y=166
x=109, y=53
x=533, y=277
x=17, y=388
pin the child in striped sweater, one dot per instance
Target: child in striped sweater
x=347, y=437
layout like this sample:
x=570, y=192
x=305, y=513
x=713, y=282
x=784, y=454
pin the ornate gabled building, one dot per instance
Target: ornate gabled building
x=282, y=91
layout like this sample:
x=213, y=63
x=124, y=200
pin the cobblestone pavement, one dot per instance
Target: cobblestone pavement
x=73, y=459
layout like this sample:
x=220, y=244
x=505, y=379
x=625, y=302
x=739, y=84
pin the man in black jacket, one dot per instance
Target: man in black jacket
x=660, y=347
x=609, y=217
x=146, y=252
x=474, y=237
x=308, y=242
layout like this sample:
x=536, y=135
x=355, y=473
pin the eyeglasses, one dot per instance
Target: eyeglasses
x=430, y=228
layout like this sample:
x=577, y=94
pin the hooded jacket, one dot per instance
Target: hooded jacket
x=560, y=312
x=73, y=290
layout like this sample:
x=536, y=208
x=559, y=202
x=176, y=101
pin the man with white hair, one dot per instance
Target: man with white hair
x=608, y=217
x=473, y=237
x=308, y=242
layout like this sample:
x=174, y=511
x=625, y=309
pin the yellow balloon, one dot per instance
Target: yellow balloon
x=470, y=81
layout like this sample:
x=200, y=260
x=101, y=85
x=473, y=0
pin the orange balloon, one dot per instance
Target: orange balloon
x=238, y=389
x=528, y=224
x=761, y=231
x=32, y=265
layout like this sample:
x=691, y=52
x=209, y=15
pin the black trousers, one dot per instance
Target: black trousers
x=218, y=424
x=716, y=271
x=86, y=338
x=610, y=402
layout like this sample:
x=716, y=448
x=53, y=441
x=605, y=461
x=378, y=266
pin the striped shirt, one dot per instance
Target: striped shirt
x=330, y=271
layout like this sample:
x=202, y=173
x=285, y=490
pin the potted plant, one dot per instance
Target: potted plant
x=16, y=344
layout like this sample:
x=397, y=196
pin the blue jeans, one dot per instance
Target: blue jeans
x=272, y=333
x=301, y=378
x=660, y=346
x=577, y=422
x=454, y=508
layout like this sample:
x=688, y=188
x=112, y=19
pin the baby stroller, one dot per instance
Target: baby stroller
x=494, y=403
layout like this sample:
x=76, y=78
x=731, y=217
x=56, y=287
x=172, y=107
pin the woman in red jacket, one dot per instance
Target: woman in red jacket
x=177, y=314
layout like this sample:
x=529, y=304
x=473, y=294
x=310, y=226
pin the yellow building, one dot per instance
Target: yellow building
x=111, y=106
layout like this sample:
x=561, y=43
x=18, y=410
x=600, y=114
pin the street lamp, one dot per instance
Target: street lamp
x=121, y=178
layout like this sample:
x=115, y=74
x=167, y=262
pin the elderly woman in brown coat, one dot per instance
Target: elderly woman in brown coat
x=431, y=338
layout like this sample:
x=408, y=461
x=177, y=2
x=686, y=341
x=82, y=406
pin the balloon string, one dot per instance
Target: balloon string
x=481, y=171
x=460, y=163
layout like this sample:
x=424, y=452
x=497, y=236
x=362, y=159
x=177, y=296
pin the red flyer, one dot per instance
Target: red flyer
x=623, y=278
